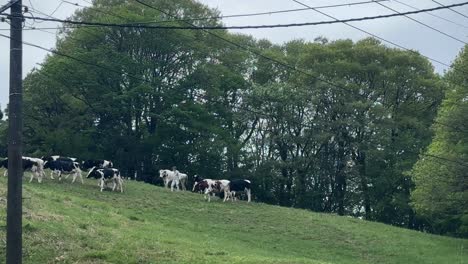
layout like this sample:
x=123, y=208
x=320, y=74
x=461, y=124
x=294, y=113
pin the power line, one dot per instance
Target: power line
x=374, y=35
x=451, y=9
x=433, y=15
x=423, y=24
x=94, y=9
x=193, y=27
x=251, y=14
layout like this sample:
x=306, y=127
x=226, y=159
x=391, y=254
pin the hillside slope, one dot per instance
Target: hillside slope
x=66, y=223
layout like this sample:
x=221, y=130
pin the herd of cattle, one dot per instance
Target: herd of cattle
x=225, y=188
x=99, y=169
x=104, y=171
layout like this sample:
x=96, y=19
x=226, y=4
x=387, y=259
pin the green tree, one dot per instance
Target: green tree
x=441, y=178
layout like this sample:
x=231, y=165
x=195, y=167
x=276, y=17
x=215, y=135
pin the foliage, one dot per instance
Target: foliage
x=441, y=192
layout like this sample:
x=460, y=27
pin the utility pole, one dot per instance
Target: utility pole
x=15, y=129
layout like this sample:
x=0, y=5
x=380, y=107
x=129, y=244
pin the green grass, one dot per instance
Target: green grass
x=65, y=223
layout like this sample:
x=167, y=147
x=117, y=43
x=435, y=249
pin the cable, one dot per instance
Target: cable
x=375, y=36
x=251, y=14
x=433, y=15
x=60, y=4
x=423, y=24
x=451, y=9
x=193, y=27
x=95, y=9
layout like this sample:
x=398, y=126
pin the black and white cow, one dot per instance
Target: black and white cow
x=89, y=164
x=106, y=175
x=219, y=187
x=29, y=164
x=57, y=158
x=64, y=166
x=38, y=169
x=238, y=186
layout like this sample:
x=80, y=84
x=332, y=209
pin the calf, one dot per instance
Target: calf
x=238, y=186
x=107, y=175
x=64, y=166
x=173, y=177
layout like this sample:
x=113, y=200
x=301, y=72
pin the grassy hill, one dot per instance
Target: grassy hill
x=66, y=223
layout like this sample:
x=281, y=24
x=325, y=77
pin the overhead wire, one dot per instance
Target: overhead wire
x=423, y=24
x=431, y=14
x=193, y=27
x=251, y=14
x=451, y=9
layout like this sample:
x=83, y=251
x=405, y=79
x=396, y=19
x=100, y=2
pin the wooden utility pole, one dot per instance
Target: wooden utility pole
x=15, y=129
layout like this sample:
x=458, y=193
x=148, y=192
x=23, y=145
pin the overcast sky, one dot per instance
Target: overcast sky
x=399, y=30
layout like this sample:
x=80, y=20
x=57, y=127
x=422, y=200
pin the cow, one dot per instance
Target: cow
x=38, y=169
x=238, y=186
x=174, y=177
x=30, y=164
x=105, y=175
x=64, y=166
x=217, y=187
x=208, y=186
x=55, y=158
x=89, y=164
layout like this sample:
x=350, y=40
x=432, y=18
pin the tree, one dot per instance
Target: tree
x=440, y=175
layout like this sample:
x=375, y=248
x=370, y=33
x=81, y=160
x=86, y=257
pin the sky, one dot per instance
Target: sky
x=399, y=30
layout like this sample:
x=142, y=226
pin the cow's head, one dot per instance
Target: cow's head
x=162, y=173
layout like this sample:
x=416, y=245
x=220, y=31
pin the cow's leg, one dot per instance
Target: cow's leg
x=81, y=177
x=114, y=184
x=32, y=177
x=74, y=177
x=121, y=184
x=248, y=195
x=5, y=173
x=225, y=195
x=39, y=177
x=194, y=185
x=52, y=175
x=60, y=175
x=174, y=183
x=102, y=184
x=177, y=184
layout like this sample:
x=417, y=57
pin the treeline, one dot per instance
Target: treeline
x=341, y=134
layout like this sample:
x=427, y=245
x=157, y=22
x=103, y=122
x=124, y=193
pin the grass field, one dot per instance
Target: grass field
x=66, y=223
